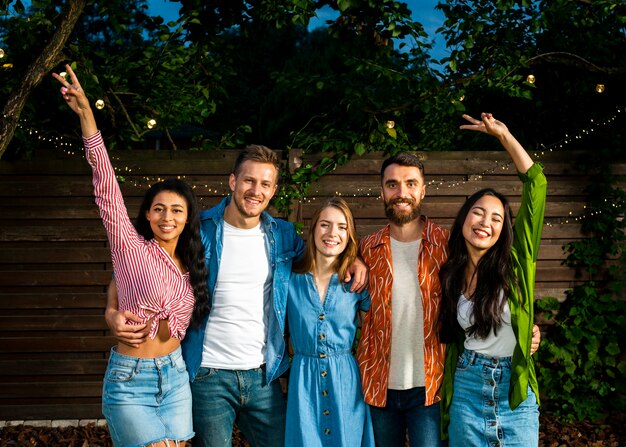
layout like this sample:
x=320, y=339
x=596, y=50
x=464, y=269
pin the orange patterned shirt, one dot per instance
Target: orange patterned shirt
x=375, y=343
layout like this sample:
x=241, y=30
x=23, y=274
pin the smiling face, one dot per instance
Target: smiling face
x=167, y=217
x=331, y=232
x=483, y=224
x=252, y=189
x=403, y=190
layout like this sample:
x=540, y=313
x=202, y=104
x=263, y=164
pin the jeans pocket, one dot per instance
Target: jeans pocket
x=205, y=374
x=119, y=373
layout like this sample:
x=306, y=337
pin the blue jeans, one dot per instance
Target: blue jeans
x=405, y=410
x=147, y=400
x=480, y=414
x=224, y=397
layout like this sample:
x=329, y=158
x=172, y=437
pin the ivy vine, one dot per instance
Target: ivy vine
x=581, y=362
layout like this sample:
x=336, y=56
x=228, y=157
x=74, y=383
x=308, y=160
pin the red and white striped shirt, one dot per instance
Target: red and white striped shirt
x=148, y=281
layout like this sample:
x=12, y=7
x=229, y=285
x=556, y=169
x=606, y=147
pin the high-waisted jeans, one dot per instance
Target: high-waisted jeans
x=480, y=414
x=147, y=400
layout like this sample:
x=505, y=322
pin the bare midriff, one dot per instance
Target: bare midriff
x=161, y=345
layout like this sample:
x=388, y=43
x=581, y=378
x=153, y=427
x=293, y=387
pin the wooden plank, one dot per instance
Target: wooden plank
x=31, y=233
x=47, y=300
x=30, y=323
x=75, y=388
x=553, y=292
x=63, y=367
x=55, y=278
x=59, y=255
x=359, y=185
x=82, y=187
x=26, y=344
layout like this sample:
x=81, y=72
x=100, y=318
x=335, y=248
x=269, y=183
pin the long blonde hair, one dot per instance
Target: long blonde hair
x=347, y=257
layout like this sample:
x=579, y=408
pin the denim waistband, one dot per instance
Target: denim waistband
x=476, y=358
x=139, y=362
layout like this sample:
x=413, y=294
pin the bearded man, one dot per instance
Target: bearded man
x=399, y=353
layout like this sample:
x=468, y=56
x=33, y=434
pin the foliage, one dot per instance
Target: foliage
x=581, y=361
x=137, y=64
x=568, y=46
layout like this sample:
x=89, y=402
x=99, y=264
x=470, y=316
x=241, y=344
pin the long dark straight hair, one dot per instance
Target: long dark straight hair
x=189, y=246
x=494, y=276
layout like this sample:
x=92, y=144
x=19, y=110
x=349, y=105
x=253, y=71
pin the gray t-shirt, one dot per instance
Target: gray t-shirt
x=407, y=319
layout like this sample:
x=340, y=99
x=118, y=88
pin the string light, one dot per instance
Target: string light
x=223, y=190
x=99, y=104
x=1, y=53
x=600, y=88
x=530, y=79
x=63, y=74
x=151, y=123
x=7, y=66
x=391, y=124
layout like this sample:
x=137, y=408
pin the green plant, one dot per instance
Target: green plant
x=581, y=362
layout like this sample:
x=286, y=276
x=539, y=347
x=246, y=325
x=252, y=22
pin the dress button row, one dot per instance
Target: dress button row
x=326, y=412
x=322, y=355
x=327, y=431
x=324, y=374
x=322, y=317
x=324, y=392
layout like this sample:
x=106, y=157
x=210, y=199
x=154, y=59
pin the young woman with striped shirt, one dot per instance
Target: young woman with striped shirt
x=161, y=277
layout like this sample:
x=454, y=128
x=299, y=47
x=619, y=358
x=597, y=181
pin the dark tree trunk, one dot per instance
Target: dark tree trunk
x=49, y=57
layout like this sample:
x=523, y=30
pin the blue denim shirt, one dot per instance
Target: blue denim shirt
x=283, y=246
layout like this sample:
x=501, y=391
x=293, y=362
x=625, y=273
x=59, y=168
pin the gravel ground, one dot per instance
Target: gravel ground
x=553, y=434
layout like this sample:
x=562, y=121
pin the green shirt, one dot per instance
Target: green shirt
x=526, y=237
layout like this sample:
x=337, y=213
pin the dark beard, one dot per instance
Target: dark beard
x=402, y=218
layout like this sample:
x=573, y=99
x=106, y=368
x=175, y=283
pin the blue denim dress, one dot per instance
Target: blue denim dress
x=325, y=402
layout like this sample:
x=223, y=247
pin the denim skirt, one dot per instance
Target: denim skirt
x=147, y=400
x=480, y=414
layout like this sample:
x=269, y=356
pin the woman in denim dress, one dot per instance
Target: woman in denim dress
x=325, y=405
x=490, y=394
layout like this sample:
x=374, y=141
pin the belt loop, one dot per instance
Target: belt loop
x=172, y=356
x=137, y=365
x=472, y=358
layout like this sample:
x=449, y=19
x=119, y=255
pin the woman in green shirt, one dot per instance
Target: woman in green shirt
x=489, y=394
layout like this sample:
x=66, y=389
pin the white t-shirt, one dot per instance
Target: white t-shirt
x=406, y=369
x=501, y=345
x=236, y=332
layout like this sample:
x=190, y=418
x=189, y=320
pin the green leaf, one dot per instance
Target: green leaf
x=613, y=349
x=359, y=148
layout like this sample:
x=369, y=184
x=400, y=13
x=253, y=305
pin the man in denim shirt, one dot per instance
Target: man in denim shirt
x=238, y=351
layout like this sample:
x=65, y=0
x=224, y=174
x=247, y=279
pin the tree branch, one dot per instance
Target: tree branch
x=566, y=58
x=47, y=59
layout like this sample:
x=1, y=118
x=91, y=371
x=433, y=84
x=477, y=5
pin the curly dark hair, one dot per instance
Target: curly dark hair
x=494, y=276
x=189, y=247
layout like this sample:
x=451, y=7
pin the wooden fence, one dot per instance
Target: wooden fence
x=55, y=264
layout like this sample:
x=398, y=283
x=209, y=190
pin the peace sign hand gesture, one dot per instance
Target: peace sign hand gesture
x=491, y=126
x=75, y=98
x=73, y=93
x=487, y=124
